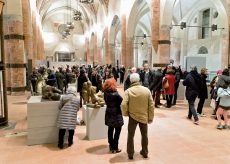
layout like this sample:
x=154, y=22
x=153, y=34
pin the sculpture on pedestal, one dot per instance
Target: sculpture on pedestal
x=90, y=97
x=40, y=84
x=51, y=93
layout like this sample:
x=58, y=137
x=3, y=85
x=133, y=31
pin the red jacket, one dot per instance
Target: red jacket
x=171, y=80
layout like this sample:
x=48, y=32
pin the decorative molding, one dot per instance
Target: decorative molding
x=160, y=64
x=14, y=65
x=14, y=36
x=16, y=89
x=164, y=42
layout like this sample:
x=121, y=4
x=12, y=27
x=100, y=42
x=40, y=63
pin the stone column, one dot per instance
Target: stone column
x=99, y=57
x=225, y=51
x=123, y=40
x=88, y=51
x=177, y=49
x=155, y=12
x=14, y=48
x=129, y=52
x=107, y=54
x=164, y=44
x=112, y=54
x=95, y=59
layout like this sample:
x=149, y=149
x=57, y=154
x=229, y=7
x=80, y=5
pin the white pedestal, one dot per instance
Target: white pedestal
x=42, y=121
x=84, y=114
x=95, y=123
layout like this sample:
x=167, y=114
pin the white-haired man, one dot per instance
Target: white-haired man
x=138, y=106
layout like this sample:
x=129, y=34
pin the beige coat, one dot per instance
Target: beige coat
x=138, y=103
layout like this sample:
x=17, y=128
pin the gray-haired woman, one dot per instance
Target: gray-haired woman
x=69, y=106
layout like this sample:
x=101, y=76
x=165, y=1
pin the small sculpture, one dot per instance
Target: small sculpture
x=90, y=97
x=51, y=93
x=85, y=94
x=39, y=85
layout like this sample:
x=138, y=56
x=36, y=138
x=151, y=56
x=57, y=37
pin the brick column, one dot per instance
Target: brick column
x=164, y=44
x=129, y=52
x=155, y=12
x=34, y=26
x=88, y=51
x=14, y=48
x=123, y=40
x=107, y=53
x=27, y=28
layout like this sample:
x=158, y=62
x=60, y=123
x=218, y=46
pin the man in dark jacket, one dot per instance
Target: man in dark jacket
x=96, y=80
x=156, y=86
x=60, y=79
x=51, y=79
x=122, y=74
x=203, y=93
x=192, y=83
x=146, y=76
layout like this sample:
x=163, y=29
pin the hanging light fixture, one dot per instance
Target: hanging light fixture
x=86, y=1
x=77, y=14
x=69, y=23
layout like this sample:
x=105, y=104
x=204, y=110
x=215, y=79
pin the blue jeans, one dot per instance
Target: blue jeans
x=192, y=111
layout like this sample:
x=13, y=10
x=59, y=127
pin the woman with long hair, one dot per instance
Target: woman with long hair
x=113, y=115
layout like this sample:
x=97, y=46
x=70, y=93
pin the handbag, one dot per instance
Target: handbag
x=166, y=84
x=213, y=104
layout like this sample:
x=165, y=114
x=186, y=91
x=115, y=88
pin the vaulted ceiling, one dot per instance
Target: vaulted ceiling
x=56, y=12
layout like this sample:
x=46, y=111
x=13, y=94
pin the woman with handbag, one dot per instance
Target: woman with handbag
x=168, y=84
x=223, y=94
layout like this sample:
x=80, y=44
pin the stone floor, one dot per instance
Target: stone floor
x=172, y=139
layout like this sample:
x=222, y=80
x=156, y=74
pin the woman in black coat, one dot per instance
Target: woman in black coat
x=203, y=93
x=113, y=115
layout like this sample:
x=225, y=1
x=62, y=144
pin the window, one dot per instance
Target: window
x=203, y=50
x=205, y=24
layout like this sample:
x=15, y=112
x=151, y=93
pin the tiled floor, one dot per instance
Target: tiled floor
x=172, y=139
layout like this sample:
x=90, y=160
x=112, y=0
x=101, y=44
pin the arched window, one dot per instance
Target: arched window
x=203, y=50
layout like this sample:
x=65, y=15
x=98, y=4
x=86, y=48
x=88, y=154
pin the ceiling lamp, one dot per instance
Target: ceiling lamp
x=77, y=15
x=86, y=1
x=70, y=25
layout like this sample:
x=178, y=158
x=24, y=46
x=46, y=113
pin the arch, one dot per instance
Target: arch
x=139, y=9
x=203, y=50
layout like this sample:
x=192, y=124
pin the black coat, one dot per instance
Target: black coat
x=142, y=78
x=193, y=85
x=204, y=90
x=113, y=115
x=80, y=81
x=156, y=83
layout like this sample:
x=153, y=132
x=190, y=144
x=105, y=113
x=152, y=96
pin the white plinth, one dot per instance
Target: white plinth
x=42, y=121
x=84, y=114
x=95, y=123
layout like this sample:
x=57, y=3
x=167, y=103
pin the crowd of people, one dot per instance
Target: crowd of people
x=140, y=85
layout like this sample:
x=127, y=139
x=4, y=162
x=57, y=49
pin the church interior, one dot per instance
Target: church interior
x=128, y=33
